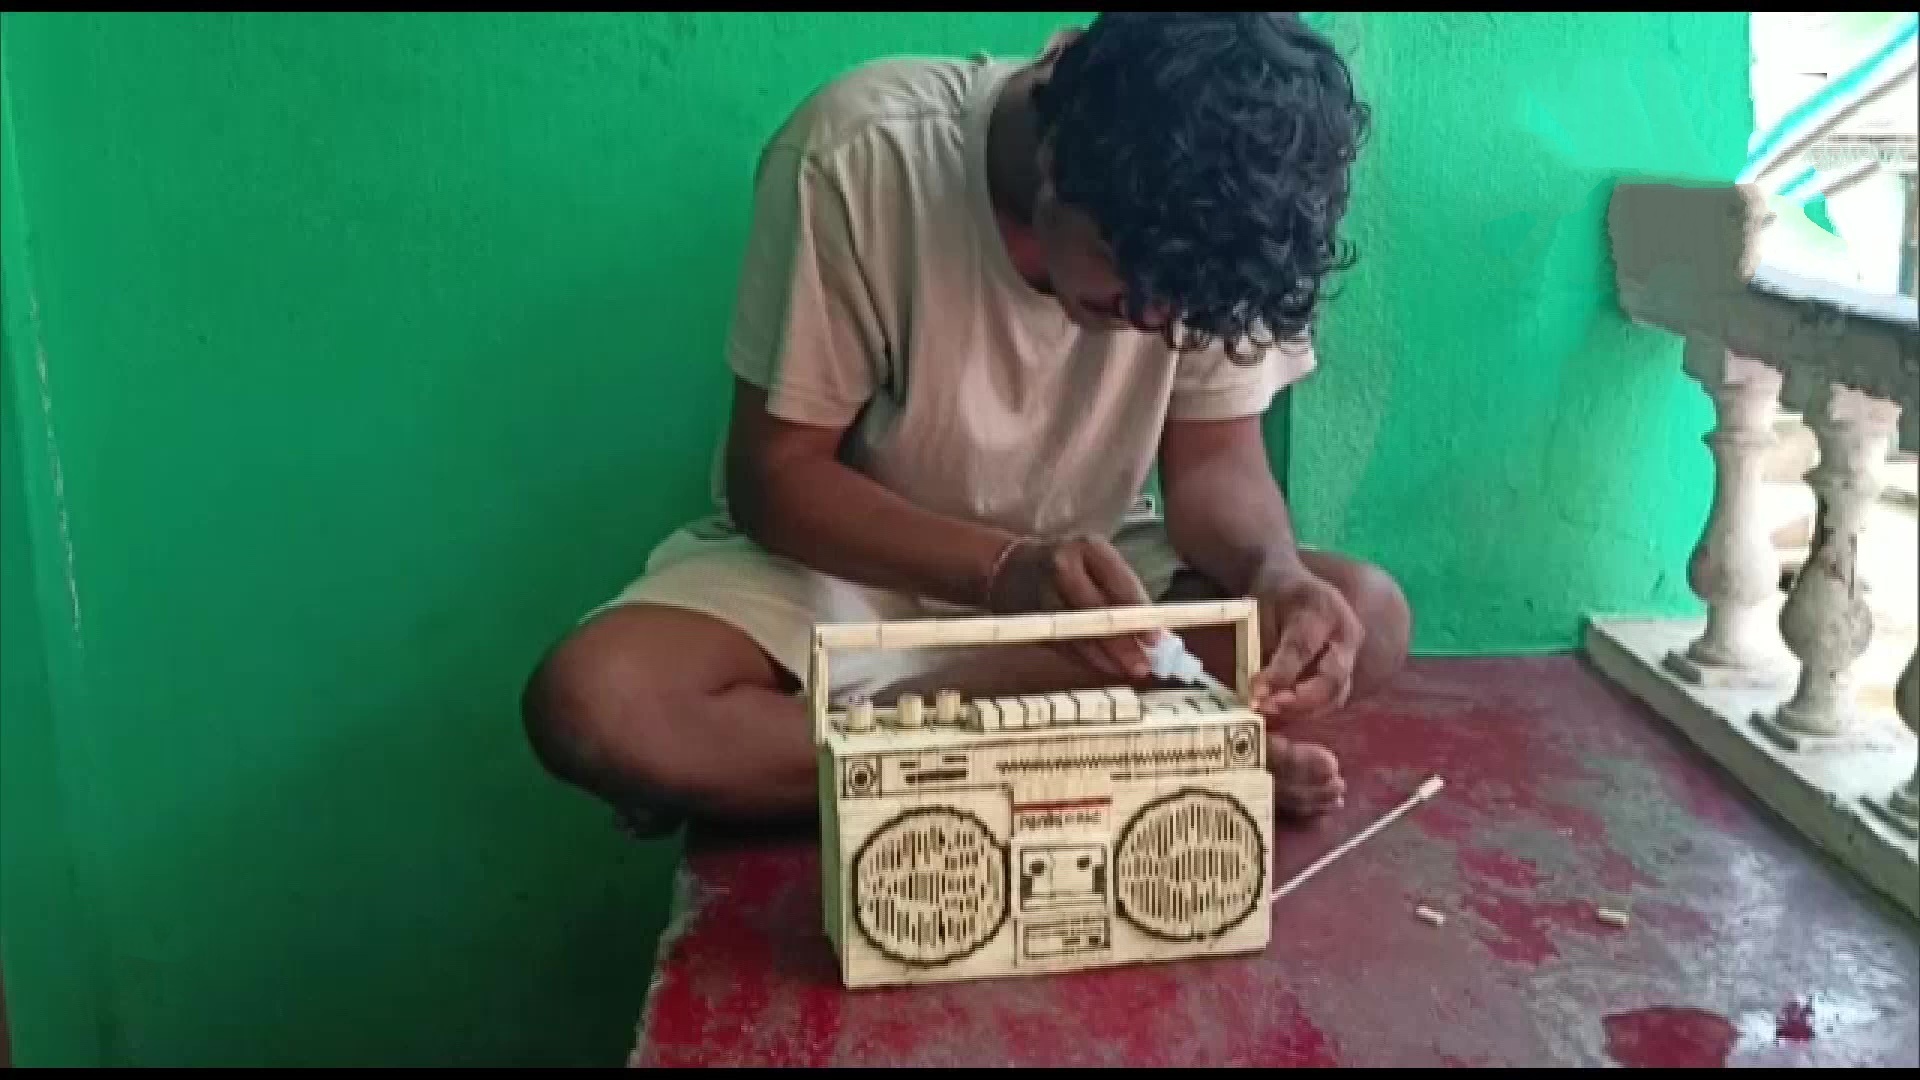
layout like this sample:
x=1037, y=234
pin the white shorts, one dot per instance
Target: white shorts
x=712, y=569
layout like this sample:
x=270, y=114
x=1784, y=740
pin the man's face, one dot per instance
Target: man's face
x=1080, y=268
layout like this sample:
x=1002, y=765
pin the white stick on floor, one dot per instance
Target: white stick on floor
x=1427, y=791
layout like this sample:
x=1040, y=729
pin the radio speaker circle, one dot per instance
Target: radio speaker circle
x=1189, y=866
x=930, y=886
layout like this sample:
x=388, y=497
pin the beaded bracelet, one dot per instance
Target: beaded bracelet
x=999, y=566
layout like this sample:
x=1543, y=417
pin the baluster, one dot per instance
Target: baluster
x=1825, y=620
x=1906, y=697
x=1901, y=807
x=1734, y=567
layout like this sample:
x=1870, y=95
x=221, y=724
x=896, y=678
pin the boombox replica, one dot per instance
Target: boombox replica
x=965, y=839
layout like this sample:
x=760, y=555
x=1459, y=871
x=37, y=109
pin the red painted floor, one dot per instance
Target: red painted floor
x=1745, y=946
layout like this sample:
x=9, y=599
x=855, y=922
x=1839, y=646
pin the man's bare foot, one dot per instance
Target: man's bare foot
x=1306, y=778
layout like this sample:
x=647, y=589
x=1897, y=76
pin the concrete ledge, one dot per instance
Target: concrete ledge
x=1687, y=259
x=1833, y=797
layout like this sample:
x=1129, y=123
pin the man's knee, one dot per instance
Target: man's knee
x=1382, y=607
x=596, y=707
x=1383, y=610
x=574, y=703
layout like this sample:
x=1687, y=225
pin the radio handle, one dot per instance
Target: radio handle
x=1243, y=615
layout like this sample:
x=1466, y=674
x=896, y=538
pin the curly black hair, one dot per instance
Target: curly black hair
x=1212, y=151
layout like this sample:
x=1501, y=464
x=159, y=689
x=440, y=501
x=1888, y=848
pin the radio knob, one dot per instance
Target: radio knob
x=946, y=707
x=908, y=711
x=860, y=715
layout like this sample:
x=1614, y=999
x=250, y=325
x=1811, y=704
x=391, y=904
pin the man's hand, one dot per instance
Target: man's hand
x=1314, y=637
x=1074, y=575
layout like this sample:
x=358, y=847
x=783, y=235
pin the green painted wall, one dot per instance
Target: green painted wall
x=350, y=357
x=47, y=943
x=378, y=348
x=1485, y=422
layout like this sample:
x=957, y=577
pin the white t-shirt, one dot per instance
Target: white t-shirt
x=876, y=293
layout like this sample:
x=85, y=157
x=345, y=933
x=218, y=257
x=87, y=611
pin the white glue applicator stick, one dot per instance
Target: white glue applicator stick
x=1427, y=791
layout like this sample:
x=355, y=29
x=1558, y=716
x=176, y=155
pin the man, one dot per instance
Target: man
x=979, y=303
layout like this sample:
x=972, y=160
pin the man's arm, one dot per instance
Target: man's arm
x=1225, y=514
x=789, y=491
x=1227, y=519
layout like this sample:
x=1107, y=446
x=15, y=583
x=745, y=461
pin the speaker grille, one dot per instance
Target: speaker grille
x=930, y=886
x=1189, y=865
